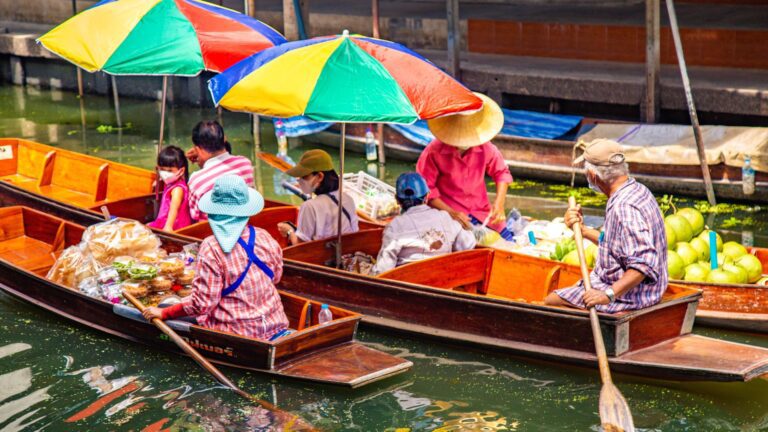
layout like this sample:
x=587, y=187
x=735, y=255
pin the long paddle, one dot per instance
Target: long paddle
x=285, y=420
x=614, y=411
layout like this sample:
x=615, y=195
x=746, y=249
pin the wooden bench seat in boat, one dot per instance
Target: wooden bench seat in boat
x=76, y=179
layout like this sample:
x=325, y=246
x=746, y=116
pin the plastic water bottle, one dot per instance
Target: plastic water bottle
x=325, y=315
x=748, y=176
x=282, y=141
x=282, y=152
x=371, y=147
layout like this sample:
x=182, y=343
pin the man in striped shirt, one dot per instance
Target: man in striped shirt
x=631, y=268
x=210, y=153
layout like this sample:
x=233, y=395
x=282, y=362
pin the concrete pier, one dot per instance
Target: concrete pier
x=511, y=51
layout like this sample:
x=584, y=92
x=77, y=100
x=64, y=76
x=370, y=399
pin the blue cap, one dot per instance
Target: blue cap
x=411, y=185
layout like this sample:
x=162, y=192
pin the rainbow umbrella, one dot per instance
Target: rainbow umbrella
x=158, y=37
x=343, y=79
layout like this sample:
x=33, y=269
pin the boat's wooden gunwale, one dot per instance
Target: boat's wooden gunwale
x=342, y=276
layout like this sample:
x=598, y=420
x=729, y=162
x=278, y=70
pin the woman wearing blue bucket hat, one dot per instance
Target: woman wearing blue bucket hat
x=237, y=268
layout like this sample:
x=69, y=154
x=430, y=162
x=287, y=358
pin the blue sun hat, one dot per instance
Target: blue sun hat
x=229, y=205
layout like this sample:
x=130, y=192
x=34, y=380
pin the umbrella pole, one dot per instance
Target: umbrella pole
x=162, y=113
x=341, y=193
x=116, y=97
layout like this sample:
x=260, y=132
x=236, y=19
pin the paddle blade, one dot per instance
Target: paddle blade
x=274, y=161
x=614, y=411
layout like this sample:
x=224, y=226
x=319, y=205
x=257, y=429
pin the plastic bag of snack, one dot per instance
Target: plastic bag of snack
x=122, y=264
x=153, y=256
x=161, y=284
x=190, y=253
x=136, y=288
x=171, y=266
x=73, y=265
x=90, y=287
x=187, y=276
x=119, y=237
x=142, y=272
x=359, y=262
x=112, y=292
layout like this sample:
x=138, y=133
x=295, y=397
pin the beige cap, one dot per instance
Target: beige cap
x=471, y=129
x=602, y=152
x=311, y=161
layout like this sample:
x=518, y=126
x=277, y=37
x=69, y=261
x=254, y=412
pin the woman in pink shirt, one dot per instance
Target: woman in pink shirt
x=456, y=162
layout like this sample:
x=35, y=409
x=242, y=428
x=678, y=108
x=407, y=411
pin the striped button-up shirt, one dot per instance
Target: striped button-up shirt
x=255, y=308
x=202, y=181
x=634, y=239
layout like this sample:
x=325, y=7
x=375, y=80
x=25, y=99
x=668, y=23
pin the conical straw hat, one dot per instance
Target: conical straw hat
x=469, y=130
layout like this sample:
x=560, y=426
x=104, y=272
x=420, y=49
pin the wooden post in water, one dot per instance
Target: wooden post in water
x=249, y=7
x=163, y=99
x=79, y=71
x=377, y=35
x=691, y=106
x=296, y=25
x=652, y=101
x=453, y=65
x=116, y=98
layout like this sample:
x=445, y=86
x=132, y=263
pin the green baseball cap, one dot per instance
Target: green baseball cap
x=311, y=161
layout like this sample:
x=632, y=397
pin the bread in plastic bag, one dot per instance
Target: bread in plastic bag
x=119, y=237
x=72, y=267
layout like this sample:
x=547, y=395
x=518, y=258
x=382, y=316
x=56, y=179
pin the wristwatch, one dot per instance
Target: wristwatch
x=610, y=294
x=288, y=232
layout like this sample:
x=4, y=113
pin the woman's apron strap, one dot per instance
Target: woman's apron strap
x=252, y=259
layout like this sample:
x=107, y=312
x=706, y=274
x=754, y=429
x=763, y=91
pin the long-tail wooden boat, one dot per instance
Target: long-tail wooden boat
x=550, y=160
x=30, y=242
x=493, y=299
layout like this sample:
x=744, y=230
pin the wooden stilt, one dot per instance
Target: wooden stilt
x=691, y=106
x=652, y=107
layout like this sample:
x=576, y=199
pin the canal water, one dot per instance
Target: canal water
x=61, y=377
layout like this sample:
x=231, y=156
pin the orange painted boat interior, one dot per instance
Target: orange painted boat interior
x=70, y=177
x=483, y=271
x=32, y=240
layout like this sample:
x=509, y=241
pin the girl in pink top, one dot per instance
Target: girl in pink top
x=172, y=166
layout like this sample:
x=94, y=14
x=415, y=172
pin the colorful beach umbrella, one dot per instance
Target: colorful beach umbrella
x=342, y=78
x=158, y=37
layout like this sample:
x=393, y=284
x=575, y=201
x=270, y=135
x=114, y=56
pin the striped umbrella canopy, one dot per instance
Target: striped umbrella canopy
x=158, y=37
x=342, y=78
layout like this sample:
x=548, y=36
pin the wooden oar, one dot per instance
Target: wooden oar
x=284, y=420
x=614, y=411
x=274, y=161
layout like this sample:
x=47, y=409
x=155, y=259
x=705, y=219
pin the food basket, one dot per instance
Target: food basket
x=373, y=197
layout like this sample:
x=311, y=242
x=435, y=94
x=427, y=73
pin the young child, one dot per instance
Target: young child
x=172, y=166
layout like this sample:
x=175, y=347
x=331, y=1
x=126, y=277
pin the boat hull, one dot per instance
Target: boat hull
x=669, y=350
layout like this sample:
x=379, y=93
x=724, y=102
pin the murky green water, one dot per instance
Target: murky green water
x=58, y=376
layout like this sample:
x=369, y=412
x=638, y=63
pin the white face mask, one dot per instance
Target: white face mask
x=306, y=186
x=593, y=186
x=170, y=177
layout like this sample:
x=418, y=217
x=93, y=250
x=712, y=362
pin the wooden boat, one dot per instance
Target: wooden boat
x=717, y=308
x=492, y=299
x=70, y=177
x=550, y=160
x=30, y=241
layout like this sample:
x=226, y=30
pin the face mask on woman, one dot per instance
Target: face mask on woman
x=307, y=186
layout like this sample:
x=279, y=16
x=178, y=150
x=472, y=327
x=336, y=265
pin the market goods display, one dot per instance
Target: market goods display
x=689, y=260
x=123, y=255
